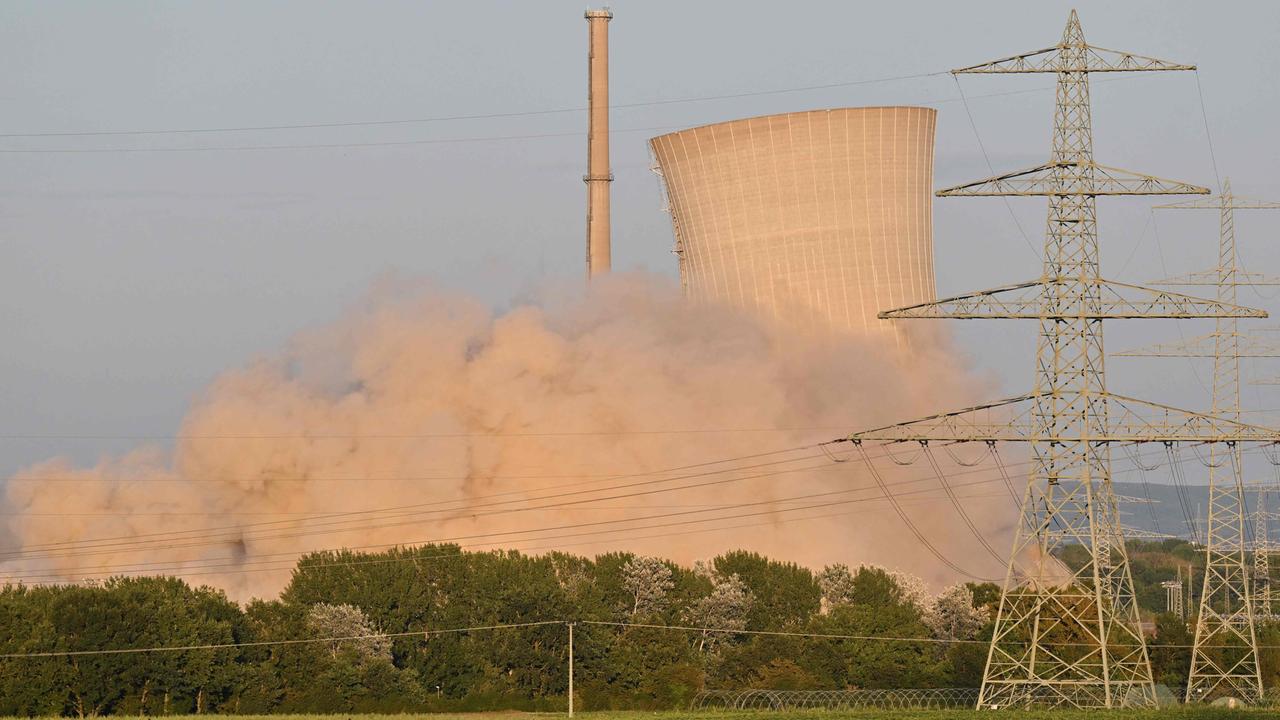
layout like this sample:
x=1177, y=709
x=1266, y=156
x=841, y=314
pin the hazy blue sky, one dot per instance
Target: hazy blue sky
x=128, y=280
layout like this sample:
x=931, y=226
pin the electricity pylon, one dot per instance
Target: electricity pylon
x=1069, y=636
x=1224, y=659
x=1262, y=549
x=1173, y=596
x=1140, y=534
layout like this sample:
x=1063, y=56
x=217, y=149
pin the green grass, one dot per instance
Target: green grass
x=1193, y=713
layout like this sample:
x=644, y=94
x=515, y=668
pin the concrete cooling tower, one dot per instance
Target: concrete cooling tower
x=818, y=219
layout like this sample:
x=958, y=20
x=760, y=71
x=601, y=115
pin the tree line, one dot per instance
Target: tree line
x=377, y=632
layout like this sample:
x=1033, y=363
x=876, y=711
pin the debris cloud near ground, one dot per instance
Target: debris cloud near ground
x=425, y=415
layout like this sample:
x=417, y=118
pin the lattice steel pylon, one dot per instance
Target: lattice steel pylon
x=1262, y=549
x=1224, y=659
x=1069, y=636
x=1173, y=596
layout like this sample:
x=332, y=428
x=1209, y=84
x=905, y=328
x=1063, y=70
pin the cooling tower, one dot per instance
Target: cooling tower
x=818, y=219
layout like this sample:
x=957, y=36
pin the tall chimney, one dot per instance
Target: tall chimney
x=598, y=174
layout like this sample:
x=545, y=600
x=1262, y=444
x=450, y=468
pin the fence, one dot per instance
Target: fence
x=898, y=699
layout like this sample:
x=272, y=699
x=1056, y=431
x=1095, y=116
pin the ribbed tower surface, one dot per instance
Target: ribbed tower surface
x=817, y=219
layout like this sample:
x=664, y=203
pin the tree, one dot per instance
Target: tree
x=31, y=686
x=349, y=622
x=836, y=584
x=388, y=626
x=783, y=674
x=857, y=663
x=784, y=594
x=952, y=615
x=1170, y=651
x=726, y=608
x=911, y=589
x=648, y=579
x=985, y=595
x=873, y=585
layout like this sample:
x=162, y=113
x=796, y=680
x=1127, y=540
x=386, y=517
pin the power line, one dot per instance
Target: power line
x=324, y=514
x=203, y=541
x=1207, y=134
x=427, y=632
x=420, y=436
x=289, y=563
x=176, y=535
x=830, y=636
x=379, y=513
x=316, y=146
x=991, y=168
x=959, y=508
x=137, y=547
x=184, y=567
x=1164, y=272
x=1136, y=246
x=265, y=643
x=436, y=141
x=384, y=478
x=906, y=519
x=781, y=633
x=474, y=116
x=138, y=543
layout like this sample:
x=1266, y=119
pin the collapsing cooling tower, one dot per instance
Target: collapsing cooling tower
x=819, y=219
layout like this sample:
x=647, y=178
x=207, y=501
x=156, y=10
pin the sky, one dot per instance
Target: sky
x=136, y=267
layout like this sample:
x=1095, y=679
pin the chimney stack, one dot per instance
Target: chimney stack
x=598, y=174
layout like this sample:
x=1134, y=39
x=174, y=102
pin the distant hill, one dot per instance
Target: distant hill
x=1167, y=508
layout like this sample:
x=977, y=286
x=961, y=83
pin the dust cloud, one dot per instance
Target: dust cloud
x=581, y=420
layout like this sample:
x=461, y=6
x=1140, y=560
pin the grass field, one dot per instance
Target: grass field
x=1193, y=713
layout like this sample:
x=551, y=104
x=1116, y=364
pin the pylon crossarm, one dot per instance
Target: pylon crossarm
x=1099, y=299
x=1002, y=420
x=1215, y=278
x=1090, y=179
x=1051, y=60
x=1247, y=344
x=1199, y=346
x=1133, y=533
x=1155, y=303
x=1012, y=420
x=1135, y=420
x=1219, y=202
x=1132, y=499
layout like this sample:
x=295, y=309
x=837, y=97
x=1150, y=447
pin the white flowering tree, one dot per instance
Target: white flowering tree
x=725, y=608
x=648, y=580
x=952, y=616
x=836, y=584
x=350, y=628
x=913, y=590
x=841, y=586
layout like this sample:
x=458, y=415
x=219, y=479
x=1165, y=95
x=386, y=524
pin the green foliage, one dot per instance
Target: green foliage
x=784, y=674
x=1151, y=563
x=1170, y=656
x=985, y=595
x=121, y=613
x=408, y=604
x=784, y=593
x=874, y=587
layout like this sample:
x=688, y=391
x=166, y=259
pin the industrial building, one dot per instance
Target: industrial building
x=818, y=219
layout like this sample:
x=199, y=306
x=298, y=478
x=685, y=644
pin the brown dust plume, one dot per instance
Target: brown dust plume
x=426, y=416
